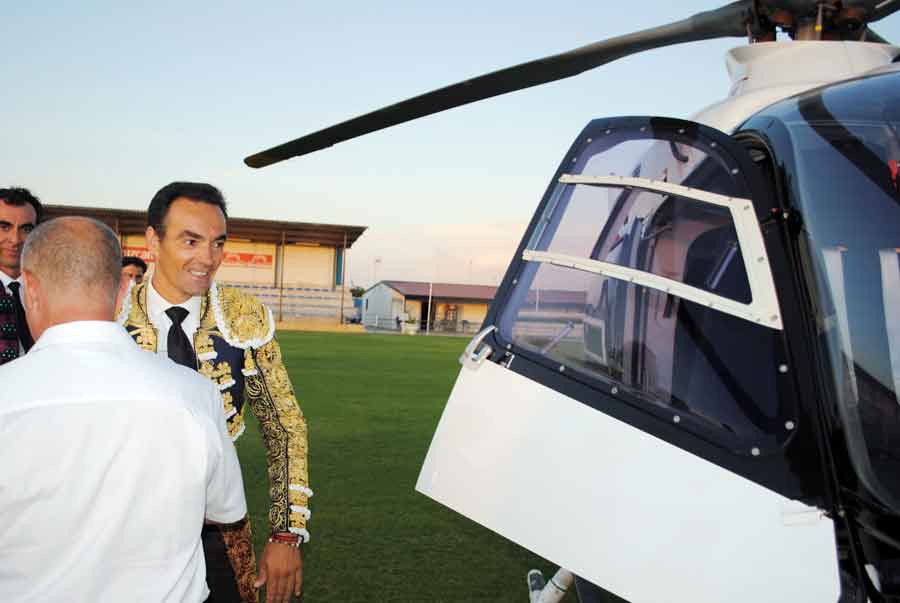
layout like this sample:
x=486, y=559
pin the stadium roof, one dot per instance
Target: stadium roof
x=133, y=222
x=446, y=290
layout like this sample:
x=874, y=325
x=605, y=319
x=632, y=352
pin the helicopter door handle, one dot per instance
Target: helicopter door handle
x=477, y=352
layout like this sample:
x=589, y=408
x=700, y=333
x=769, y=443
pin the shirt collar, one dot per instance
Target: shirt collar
x=157, y=304
x=83, y=331
x=7, y=279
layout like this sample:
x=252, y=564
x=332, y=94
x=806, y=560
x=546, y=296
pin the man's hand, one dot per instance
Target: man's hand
x=281, y=570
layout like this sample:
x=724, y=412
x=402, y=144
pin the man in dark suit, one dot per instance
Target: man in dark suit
x=20, y=212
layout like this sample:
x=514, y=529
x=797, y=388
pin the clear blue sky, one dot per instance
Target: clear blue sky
x=104, y=103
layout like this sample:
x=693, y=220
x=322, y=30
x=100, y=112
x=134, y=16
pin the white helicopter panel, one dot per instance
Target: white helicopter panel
x=647, y=520
x=763, y=74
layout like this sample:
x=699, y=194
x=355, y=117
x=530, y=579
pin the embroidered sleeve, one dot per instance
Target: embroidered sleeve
x=283, y=426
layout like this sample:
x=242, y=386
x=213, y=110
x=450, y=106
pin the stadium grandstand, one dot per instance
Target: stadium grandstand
x=297, y=269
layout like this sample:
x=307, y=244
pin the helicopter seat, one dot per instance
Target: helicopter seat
x=724, y=367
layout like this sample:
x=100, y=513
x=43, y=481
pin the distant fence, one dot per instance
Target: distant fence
x=300, y=301
x=385, y=323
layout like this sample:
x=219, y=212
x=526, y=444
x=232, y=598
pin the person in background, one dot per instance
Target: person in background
x=20, y=212
x=134, y=269
x=115, y=458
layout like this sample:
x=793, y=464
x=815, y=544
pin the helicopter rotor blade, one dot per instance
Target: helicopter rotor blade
x=731, y=20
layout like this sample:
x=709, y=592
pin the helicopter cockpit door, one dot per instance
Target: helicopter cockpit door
x=628, y=410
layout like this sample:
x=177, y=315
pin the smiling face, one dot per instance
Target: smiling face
x=16, y=221
x=189, y=250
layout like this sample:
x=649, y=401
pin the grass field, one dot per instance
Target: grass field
x=372, y=402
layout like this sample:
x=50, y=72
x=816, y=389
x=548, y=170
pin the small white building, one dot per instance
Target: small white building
x=454, y=308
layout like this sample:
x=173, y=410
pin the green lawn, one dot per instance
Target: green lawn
x=372, y=402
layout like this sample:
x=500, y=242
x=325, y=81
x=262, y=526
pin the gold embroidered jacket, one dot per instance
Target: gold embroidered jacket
x=237, y=350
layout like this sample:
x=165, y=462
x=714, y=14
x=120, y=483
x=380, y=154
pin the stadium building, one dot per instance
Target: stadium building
x=298, y=269
x=454, y=308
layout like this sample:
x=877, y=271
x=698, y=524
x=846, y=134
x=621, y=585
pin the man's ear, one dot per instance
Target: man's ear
x=32, y=301
x=31, y=289
x=153, y=240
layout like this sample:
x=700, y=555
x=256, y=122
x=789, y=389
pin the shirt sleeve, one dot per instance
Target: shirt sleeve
x=225, y=502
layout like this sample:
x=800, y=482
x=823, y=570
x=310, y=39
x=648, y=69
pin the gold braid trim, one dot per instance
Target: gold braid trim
x=239, y=546
x=284, y=430
x=137, y=321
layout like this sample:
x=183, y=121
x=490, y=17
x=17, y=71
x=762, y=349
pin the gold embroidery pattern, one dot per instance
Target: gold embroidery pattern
x=217, y=373
x=239, y=545
x=203, y=343
x=283, y=426
x=246, y=318
x=138, y=322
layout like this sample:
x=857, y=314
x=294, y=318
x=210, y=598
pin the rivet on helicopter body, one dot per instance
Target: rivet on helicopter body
x=677, y=419
x=754, y=451
x=590, y=140
x=609, y=131
x=643, y=128
x=735, y=171
x=761, y=259
x=614, y=391
x=789, y=425
x=782, y=368
x=562, y=369
x=773, y=318
x=713, y=144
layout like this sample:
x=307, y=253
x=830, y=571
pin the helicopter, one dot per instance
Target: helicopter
x=686, y=387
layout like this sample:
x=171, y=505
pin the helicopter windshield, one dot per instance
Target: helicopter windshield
x=847, y=150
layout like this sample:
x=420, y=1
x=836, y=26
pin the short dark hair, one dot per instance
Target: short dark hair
x=132, y=260
x=18, y=197
x=195, y=191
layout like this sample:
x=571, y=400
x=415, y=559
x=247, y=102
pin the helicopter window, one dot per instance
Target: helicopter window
x=660, y=344
x=652, y=232
x=673, y=354
x=846, y=144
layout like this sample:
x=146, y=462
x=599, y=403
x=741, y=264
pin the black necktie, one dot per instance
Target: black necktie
x=180, y=349
x=21, y=324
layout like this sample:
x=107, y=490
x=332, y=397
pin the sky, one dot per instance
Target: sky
x=104, y=103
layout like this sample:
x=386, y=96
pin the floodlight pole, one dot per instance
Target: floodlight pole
x=428, y=315
x=281, y=283
x=343, y=268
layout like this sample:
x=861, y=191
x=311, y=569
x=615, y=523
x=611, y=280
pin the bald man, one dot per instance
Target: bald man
x=114, y=457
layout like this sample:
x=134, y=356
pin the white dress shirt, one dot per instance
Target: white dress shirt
x=6, y=280
x=156, y=309
x=111, y=459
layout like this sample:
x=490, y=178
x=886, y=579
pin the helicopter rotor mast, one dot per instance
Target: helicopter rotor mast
x=756, y=19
